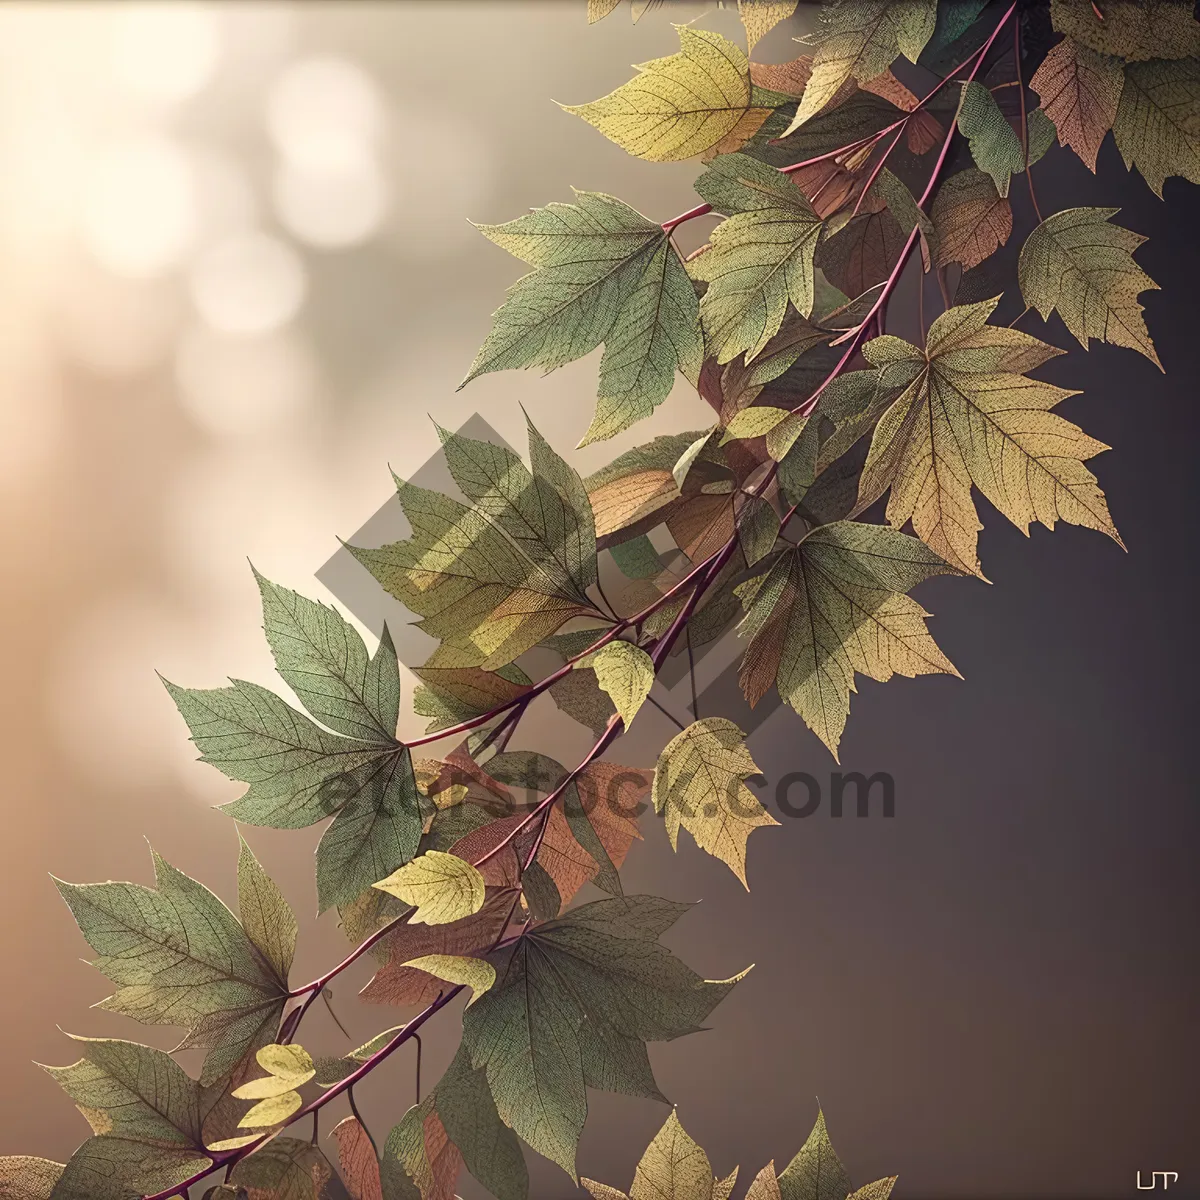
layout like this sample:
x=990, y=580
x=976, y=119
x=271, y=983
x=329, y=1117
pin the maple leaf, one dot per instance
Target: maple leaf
x=603, y=273
x=673, y=1167
x=699, y=785
x=971, y=416
x=574, y=1003
x=859, y=40
x=494, y=578
x=455, y=1125
x=682, y=105
x=180, y=957
x=1080, y=91
x=1131, y=29
x=145, y=1112
x=972, y=219
x=1157, y=127
x=759, y=261
x=1078, y=263
x=833, y=606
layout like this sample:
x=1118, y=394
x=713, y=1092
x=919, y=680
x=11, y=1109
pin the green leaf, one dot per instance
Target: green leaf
x=179, y=957
x=699, y=784
x=637, y=558
x=543, y=511
x=25, y=1178
x=759, y=261
x=681, y=105
x=656, y=333
x=374, y=833
x=995, y=145
x=444, y=888
x=758, y=529
x=288, y=1169
x=1079, y=264
x=322, y=658
x=574, y=1002
x=492, y=580
x=1157, y=128
x=626, y=673
x=249, y=734
x=266, y=917
x=603, y=273
x=489, y=1148
x=1040, y=134
x=1131, y=29
x=145, y=1112
x=136, y=1092
x=830, y=607
x=816, y=1173
x=113, y=1167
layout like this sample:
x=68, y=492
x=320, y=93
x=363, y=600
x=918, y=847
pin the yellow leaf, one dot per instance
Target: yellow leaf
x=699, y=784
x=752, y=423
x=674, y=1167
x=761, y=16
x=443, y=887
x=859, y=43
x=626, y=673
x=971, y=416
x=272, y=1111
x=475, y=973
x=234, y=1143
x=679, y=106
x=597, y=10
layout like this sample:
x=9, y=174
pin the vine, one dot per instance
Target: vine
x=827, y=174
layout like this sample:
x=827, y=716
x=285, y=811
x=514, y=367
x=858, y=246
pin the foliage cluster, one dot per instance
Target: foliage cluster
x=893, y=142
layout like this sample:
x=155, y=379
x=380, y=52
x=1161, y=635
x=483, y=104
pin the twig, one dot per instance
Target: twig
x=359, y=1119
x=1024, y=118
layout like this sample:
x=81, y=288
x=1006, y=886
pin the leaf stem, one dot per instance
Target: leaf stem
x=1024, y=119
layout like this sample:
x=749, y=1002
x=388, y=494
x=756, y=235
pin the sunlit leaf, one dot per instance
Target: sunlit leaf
x=682, y=105
x=443, y=888
x=626, y=673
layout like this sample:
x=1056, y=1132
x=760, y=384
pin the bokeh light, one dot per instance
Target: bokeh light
x=165, y=52
x=138, y=213
x=249, y=283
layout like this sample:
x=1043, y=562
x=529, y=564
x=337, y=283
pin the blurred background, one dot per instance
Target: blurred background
x=237, y=273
